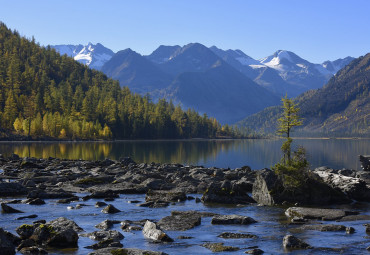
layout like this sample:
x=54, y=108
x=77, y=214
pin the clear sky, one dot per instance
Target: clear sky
x=316, y=30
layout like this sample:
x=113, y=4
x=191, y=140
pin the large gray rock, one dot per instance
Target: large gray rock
x=316, y=213
x=268, y=189
x=6, y=246
x=232, y=219
x=292, y=242
x=355, y=188
x=62, y=223
x=110, y=209
x=179, y=222
x=151, y=231
x=105, y=235
x=226, y=193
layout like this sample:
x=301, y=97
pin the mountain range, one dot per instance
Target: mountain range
x=226, y=84
x=341, y=107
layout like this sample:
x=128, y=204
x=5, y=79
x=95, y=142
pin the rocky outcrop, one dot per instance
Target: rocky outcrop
x=292, y=242
x=151, y=231
x=342, y=180
x=269, y=189
x=232, y=219
x=12, y=189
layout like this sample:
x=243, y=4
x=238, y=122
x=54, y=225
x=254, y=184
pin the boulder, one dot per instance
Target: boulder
x=6, y=245
x=104, y=244
x=255, y=251
x=269, y=189
x=7, y=209
x=151, y=231
x=62, y=223
x=107, y=224
x=194, y=213
x=292, y=242
x=226, y=193
x=25, y=231
x=100, y=204
x=110, y=209
x=317, y=213
x=232, y=219
x=12, y=189
x=355, y=188
x=179, y=222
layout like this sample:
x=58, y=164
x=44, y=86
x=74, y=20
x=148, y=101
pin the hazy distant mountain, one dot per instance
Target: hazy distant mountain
x=92, y=55
x=162, y=54
x=136, y=72
x=340, y=107
x=335, y=66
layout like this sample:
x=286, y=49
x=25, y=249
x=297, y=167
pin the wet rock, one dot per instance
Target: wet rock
x=110, y=209
x=350, y=230
x=62, y=223
x=292, y=242
x=49, y=194
x=166, y=196
x=151, y=231
x=26, y=243
x=102, y=194
x=6, y=246
x=228, y=235
x=185, y=237
x=255, y=251
x=323, y=227
x=68, y=200
x=316, y=213
x=155, y=204
x=100, y=204
x=12, y=189
x=355, y=188
x=125, y=251
x=25, y=231
x=35, y=201
x=105, y=235
x=7, y=209
x=232, y=219
x=365, y=162
x=226, y=193
x=32, y=216
x=268, y=189
x=33, y=250
x=107, y=224
x=197, y=200
x=354, y=218
x=126, y=161
x=179, y=222
x=367, y=228
x=219, y=247
x=104, y=244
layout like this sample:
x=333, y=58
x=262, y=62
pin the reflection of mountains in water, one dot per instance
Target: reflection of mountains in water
x=335, y=153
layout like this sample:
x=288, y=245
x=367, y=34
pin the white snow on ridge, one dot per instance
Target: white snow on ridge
x=246, y=61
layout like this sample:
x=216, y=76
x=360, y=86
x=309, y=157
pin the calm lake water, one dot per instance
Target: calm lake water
x=335, y=153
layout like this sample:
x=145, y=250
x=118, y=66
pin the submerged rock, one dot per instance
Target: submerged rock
x=228, y=235
x=232, y=219
x=151, y=231
x=323, y=227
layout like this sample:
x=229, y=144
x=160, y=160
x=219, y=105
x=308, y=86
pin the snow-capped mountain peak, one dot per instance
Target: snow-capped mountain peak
x=92, y=55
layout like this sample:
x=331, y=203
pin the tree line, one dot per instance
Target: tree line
x=44, y=94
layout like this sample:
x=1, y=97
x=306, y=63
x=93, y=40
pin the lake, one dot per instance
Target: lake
x=256, y=153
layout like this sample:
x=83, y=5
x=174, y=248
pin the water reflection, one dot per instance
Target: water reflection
x=336, y=153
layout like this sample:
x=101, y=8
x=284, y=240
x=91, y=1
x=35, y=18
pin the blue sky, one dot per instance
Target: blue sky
x=316, y=30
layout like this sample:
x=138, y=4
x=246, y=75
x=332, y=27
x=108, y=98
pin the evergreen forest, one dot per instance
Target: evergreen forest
x=46, y=95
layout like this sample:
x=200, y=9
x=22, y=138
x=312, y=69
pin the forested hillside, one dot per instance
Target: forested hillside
x=341, y=107
x=43, y=94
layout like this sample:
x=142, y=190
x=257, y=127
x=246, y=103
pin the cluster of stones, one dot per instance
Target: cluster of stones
x=163, y=184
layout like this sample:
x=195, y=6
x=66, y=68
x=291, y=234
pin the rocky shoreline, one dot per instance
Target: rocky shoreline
x=37, y=180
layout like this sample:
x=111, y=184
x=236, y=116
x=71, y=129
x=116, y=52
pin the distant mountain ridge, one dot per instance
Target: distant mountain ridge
x=170, y=72
x=341, y=107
